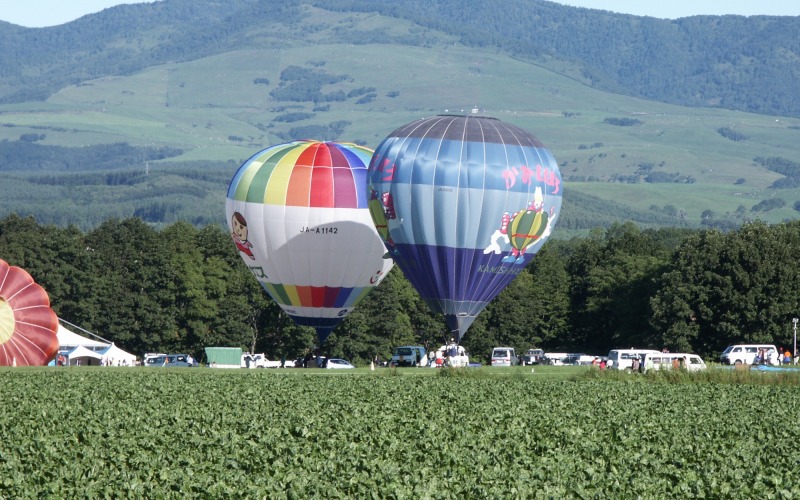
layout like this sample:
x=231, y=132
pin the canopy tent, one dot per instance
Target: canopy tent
x=67, y=339
x=83, y=356
x=114, y=356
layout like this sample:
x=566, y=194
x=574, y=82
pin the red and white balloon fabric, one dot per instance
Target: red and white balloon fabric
x=28, y=325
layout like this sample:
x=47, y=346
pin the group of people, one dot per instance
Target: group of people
x=599, y=363
x=785, y=356
x=766, y=356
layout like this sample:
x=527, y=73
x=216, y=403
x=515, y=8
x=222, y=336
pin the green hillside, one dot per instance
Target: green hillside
x=194, y=122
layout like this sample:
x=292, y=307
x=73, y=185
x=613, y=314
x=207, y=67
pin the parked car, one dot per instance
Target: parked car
x=579, y=358
x=533, y=357
x=409, y=355
x=504, y=356
x=149, y=357
x=556, y=358
x=171, y=361
x=738, y=354
x=338, y=363
x=316, y=362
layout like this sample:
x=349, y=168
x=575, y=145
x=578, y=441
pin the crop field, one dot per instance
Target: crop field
x=477, y=433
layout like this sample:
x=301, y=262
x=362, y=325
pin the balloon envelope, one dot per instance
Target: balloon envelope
x=27, y=323
x=299, y=216
x=463, y=204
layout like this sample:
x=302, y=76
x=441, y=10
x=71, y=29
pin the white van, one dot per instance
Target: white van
x=409, y=355
x=668, y=360
x=622, y=359
x=504, y=356
x=738, y=354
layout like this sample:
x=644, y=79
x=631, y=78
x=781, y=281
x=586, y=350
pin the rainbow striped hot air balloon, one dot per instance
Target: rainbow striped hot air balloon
x=299, y=216
x=467, y=202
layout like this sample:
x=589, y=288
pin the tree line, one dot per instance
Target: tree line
x=183, y=288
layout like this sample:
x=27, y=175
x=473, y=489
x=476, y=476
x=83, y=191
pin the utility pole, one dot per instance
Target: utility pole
x=794, y=351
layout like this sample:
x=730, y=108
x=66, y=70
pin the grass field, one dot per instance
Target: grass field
x=546, y=433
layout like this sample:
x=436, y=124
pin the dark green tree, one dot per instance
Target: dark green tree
x=134, y=300
x=57, y=258
x=725, y=288
x=613, y=282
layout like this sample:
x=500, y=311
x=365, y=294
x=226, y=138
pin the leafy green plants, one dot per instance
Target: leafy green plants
x=113, y=432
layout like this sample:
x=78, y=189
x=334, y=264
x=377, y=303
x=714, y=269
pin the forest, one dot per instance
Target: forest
x=182, y=288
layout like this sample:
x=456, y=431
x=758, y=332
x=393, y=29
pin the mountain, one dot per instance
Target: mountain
x=148, y=109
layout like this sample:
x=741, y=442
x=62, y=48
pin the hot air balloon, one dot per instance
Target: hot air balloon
x=28, y=325
x=463, y=204
x=299, y=216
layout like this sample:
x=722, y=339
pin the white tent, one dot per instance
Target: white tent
x=82, y=355
x=114, y=356
x=68, y=339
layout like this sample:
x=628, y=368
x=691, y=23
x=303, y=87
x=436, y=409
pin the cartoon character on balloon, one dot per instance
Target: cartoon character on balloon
x=522, y=229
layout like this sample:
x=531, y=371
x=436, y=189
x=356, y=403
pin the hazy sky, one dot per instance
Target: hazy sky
x=38, y=13
x=673, y=9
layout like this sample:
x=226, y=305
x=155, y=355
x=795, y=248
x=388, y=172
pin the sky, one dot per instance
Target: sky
x=673, y=9
x=40, y=13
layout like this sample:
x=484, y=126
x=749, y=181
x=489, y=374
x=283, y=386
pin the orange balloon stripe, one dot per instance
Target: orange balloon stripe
x=304, y=294
x=297, y=192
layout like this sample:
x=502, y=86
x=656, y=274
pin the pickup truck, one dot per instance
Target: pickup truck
x=258, y=361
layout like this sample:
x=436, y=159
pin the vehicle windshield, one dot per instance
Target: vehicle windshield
x=500, y=353
x=403, y=351
x=728, y=349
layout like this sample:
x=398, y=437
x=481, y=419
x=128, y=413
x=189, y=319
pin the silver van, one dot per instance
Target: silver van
x=504, y=356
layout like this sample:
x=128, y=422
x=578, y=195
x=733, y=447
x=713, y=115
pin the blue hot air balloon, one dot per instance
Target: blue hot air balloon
x=463, y=203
